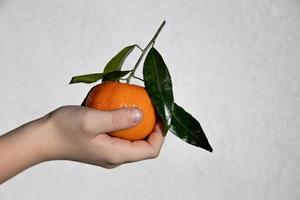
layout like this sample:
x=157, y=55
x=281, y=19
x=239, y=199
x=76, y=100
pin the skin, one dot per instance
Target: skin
x=76, y=133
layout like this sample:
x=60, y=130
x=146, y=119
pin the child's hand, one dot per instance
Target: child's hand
x=80, y=134
x=75, y=133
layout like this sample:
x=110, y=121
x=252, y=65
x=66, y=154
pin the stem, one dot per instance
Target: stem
x=144, y=51
x=138, y=78
x=139, y=47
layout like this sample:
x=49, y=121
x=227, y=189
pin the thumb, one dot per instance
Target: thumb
x=109, y=121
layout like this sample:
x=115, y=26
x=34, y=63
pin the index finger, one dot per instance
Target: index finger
x=156, y=138
x=145, y=149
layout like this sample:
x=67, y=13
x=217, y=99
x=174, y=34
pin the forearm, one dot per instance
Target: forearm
x=22, y=148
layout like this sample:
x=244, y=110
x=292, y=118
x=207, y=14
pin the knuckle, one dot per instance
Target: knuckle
x=114, y=120
x=113, y=160
x=154, y=154
x=84, y=122
x=109, y=166
x=120, y=119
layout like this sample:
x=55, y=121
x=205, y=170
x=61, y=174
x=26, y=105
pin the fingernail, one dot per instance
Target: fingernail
x=136, y=115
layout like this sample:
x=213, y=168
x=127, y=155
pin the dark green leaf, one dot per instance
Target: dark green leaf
x=115, y=75
x=87, y=78
x=187, y=128
x=159, y=86
x=115, y=64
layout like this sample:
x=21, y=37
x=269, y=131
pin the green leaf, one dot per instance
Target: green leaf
x=115, y=64
x=92, y=78
x=187, y=128
x=87, y=78
x=158, y=84
x=115, y=75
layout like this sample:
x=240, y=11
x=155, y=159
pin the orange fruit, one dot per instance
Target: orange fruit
x=111, y=95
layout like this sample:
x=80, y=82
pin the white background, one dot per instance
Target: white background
x=235, y=66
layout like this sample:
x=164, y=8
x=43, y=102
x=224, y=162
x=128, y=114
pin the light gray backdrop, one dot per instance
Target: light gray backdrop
x=235, y=66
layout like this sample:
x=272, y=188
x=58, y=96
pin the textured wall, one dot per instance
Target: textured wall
x=235, y=66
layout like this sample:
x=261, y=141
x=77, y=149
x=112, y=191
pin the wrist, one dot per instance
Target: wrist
x=24, y=147
x=49, y=141
x=36, y=139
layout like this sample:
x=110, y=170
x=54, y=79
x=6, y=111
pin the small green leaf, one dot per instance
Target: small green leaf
x=187, y=128
x=159, y=86
x=115, y=75
x=92, y=78
x=87, y=78
x=115, y=64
